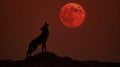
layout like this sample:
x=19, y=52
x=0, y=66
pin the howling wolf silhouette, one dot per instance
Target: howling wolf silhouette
x=41, y=39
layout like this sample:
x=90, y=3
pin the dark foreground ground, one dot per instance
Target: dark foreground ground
x=52, y=60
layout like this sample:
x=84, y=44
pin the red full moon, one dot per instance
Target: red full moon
x=72, y=15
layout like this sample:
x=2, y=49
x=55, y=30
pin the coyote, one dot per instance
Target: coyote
x=41, y=39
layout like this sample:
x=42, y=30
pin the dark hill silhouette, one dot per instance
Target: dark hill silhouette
x=49, y=59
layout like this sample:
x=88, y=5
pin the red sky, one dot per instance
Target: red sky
x=97, y=39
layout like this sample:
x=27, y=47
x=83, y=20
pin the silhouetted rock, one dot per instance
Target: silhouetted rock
x=49, y=59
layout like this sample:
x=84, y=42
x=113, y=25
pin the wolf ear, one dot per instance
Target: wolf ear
x=46, y=24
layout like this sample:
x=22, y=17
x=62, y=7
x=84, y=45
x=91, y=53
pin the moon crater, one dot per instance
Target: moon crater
x=72, y=15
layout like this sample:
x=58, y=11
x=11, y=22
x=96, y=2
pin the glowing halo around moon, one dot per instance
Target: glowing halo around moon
x=72, y=15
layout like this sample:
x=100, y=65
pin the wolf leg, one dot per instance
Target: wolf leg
x=43, y=47
x=28, y=52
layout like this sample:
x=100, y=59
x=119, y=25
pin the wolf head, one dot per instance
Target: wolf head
x=45, y=26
